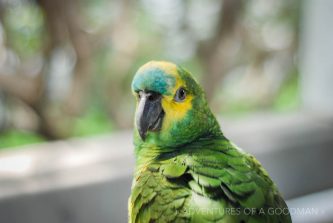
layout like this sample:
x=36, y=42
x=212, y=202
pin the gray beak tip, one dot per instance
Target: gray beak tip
x=142, y=134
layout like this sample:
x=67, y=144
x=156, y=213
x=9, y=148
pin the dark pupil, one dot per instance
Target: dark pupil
x=181, y=94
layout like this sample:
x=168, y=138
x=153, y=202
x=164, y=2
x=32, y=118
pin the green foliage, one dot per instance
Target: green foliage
x=286, y=99
x=14, y=138
x=24, y=24
x=289, y=98
x=113, y=65
x=92, y=123
x=97, y=14
x=239, y=108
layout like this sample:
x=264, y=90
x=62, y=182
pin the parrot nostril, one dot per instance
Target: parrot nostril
x=149, y=95
x=153, y=96
x=140, y=93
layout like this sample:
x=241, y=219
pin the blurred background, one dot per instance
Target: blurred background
x=66, y=106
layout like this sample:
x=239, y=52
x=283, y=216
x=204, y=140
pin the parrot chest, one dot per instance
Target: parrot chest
x=155, y=196
x=171, y=200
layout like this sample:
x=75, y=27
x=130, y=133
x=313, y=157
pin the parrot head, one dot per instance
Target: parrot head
x=171, y=106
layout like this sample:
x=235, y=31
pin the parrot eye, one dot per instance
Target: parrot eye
x=180, y=95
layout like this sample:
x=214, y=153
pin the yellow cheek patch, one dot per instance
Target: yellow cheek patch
x=175, y=111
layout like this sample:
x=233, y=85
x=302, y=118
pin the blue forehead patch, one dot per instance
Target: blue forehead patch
x=153, y=79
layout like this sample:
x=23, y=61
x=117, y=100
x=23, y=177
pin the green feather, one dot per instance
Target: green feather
x=173, y=170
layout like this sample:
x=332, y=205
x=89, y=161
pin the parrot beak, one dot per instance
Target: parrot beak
x=149, y=113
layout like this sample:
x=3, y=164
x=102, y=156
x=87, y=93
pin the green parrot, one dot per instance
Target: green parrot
x=186, y=169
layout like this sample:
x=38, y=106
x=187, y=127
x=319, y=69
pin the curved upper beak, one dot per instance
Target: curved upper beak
x=149, y=113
